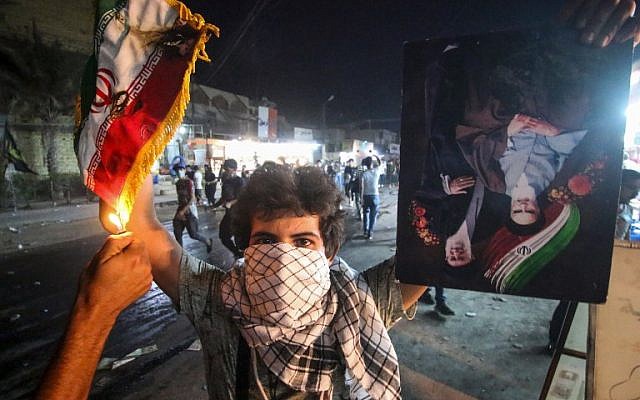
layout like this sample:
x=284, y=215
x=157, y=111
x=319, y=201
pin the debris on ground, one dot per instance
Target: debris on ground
x=105, y=363
x=14, y=317
x=470, y=314
x=113, y=363
x=142, y=351
x=518, y=345
x=119, y=363
x=498, y=298
x=14, y=230
x=195, y=346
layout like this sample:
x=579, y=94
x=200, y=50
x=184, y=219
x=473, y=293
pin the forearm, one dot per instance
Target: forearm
x=70, y=374
x=164, y=255
x=164, y=251
x=411, y=294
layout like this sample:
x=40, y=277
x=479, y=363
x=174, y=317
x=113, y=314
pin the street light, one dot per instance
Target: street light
x=324, y=110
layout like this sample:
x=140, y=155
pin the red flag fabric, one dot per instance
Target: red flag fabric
x=146, y=51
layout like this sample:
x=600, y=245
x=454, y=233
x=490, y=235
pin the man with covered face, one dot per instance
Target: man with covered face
x=291, y=319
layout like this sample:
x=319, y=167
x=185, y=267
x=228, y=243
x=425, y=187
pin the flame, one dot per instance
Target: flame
x=115, y=220
x=123, y=214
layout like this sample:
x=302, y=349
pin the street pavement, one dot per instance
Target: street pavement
x=492, y=349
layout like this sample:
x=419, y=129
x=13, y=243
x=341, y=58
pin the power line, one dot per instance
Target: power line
x=253, y=14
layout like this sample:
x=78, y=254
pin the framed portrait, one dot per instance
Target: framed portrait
x=511, y=153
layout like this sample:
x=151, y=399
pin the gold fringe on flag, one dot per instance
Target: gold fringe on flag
x=167, y=128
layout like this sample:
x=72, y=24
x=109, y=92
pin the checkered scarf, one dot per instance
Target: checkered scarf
x=300, y=322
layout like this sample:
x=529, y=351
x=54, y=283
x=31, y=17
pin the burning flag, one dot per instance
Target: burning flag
x=134, y=95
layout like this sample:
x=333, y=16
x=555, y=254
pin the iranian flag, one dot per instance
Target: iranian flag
x=515, y=260
x=135, y=91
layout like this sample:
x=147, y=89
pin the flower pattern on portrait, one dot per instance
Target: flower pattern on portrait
x=581, y=184
x=421, y=224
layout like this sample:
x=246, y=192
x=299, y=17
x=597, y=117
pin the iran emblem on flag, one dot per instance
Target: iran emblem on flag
x=135, y=92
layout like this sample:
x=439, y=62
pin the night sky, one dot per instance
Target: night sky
x=298, y=53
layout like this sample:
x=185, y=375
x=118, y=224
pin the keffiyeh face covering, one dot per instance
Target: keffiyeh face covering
x=285, y=285
x=300, y=314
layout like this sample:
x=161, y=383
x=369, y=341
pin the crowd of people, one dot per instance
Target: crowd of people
x=360, y=185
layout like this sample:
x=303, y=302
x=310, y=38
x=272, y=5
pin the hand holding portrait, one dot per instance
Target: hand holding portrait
x=601, y=22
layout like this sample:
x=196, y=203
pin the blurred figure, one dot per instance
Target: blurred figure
x=370, y=195
x=356, y=191
x=198, y=184
x=186, y=215
x=231, y=186
x=628, y=191
x=348, y=176
x=210, y=185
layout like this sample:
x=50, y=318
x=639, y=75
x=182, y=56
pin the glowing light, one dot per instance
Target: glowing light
x=115, y=220
x=631, y=109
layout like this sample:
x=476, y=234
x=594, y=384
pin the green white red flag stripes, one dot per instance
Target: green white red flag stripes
x=145, y=52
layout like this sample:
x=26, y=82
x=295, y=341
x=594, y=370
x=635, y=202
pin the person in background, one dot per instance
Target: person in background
x=370, y=181
x=382, y=166
x=187, y=213
x=348, y=176
x=231, y=186
x=210, y=185
x=628, y=191
x=356, y=191
x=189, y=171
x=331, y=173
x=176, y=163
x=440, y=301
x=391, y=173
x=198, y=184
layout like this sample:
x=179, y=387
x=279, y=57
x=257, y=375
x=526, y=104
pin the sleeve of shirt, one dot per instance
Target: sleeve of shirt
x=199, y=288
x=385, y=290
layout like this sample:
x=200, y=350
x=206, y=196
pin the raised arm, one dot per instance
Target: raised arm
x=164, y=251
x=118, y=274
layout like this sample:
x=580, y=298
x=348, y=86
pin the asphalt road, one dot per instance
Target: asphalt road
x=495, y=355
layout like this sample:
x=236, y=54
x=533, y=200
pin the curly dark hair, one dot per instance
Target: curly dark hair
x=275, y=191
